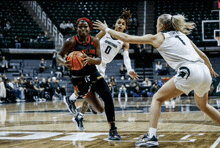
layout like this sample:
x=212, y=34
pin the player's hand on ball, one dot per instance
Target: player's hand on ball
x=86, y=59
x=133, y=75
x=100, y=26
x=67, y=64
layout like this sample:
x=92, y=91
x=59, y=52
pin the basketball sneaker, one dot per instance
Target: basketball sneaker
x=113, y=134
x=70, y=105
x=145, y=138
x=152, y=142
x=79, y=121
x=35, y=98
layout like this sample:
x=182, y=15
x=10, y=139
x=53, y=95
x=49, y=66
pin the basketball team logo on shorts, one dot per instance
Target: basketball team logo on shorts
x=184, y=72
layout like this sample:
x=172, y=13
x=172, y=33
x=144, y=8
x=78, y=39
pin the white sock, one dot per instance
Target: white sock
x=152, y=132
x=81, y=115
x=73, y=97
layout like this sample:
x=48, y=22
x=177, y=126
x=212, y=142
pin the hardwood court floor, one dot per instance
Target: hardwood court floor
x=49, y=125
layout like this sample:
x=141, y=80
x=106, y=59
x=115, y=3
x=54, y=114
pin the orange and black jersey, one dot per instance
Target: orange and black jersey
x=89, y=48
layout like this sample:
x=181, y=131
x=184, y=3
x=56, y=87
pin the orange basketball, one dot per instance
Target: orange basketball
x=76, y=59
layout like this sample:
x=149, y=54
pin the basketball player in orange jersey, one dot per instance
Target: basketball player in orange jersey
x=88, y=80
x=110, y=47
x=194, y=70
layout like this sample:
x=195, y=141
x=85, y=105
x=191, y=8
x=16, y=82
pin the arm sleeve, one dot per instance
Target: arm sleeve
x=127, y=61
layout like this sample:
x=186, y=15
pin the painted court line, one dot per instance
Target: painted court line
x=185, y=137
x=106, y=139
x=176, y=141
x=216, y=143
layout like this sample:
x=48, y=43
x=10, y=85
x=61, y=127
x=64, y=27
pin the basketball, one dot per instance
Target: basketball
x=76, y=59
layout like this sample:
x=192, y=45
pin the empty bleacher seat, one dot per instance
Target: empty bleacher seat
x=195, y=12
x=93, y=10
x=23, y=22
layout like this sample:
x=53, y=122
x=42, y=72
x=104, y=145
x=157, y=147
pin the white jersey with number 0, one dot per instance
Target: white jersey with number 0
x=177, y=49
x=109, y=47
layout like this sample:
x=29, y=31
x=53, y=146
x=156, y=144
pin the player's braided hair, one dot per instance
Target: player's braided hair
x=126, y=15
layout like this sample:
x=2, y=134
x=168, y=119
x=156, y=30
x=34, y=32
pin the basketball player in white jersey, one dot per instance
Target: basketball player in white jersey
x=110, y=47
x=194, y=70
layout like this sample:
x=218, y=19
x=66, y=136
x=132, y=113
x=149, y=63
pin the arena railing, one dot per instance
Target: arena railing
x=49, y=25
x=47, y=22
x=60, y=39
x=35, y=6
x=55, y=35
x=55, y=32
x=44, y=18
x=30, y=3
x=30, y=51
x=39, y=11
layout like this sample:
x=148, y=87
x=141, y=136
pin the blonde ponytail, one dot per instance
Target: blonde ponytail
x=181, y=25
x=176, y=22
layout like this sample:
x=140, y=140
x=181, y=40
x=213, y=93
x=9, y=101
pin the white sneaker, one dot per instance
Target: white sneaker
x=152, y=142
x=18, y=100
x=44, y=100
x=145, y=138
x=35, y=98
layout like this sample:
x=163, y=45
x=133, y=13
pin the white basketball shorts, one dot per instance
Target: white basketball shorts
x=193, y=76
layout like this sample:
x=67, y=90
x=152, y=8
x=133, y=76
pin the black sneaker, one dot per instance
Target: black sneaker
x=70, y=105
x=145, y=138
x=113, y=134
x=152, y=142
x=79, y=121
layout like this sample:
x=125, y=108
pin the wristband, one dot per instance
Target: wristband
x=107, y=30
